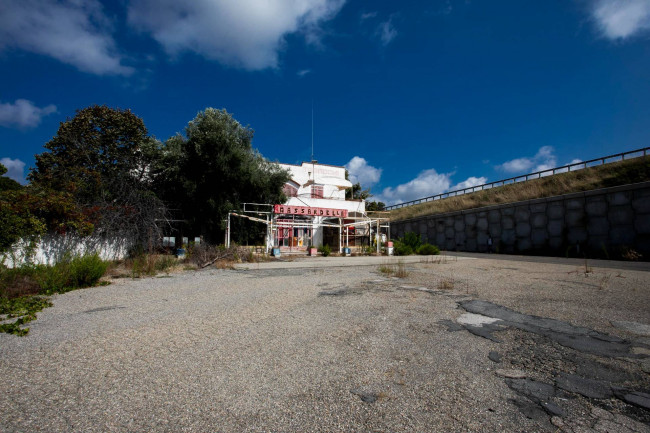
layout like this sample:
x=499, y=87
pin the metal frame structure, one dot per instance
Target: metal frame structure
x=272, y=224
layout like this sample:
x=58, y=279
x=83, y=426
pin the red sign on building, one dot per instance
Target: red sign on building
x=309, y=211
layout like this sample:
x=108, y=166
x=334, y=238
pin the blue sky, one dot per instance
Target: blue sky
x=414, y=97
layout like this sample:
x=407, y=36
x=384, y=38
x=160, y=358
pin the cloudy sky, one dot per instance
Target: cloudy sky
x=414, y=97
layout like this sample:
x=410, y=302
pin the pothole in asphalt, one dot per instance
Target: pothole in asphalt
x=560, y=370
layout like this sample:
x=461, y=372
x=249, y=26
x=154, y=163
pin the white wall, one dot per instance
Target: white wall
x=51, y=248
x=332, y=178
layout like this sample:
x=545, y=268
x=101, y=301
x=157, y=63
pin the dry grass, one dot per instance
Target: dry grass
x=401, y=271
x=398, y=270
x=386, y=269
x=446, y=284
x=614, y=174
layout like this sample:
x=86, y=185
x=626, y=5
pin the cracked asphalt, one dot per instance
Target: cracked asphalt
x=460, y=344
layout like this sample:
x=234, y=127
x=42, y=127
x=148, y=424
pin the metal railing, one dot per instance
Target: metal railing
x=530, y=176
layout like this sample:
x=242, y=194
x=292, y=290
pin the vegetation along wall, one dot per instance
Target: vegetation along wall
x=607, y=223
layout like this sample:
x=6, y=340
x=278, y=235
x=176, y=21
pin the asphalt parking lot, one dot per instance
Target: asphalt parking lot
x=341, y=344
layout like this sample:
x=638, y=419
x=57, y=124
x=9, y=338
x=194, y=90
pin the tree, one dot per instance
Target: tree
x=357, y=192
x=372, y=206
x=103, y=157
x=214, y=169
x=29, y=212
x=7, y=184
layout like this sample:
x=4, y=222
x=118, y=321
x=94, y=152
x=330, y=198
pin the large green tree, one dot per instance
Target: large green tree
x=103, y=157
x=29, y=212
x=213, y=169
x=7, y=184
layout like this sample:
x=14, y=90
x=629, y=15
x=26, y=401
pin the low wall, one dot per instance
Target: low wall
x=50, y=249
x=601, y=223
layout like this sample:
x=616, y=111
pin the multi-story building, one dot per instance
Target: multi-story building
x=316, y=208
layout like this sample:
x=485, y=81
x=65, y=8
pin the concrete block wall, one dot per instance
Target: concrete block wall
x=601, y=223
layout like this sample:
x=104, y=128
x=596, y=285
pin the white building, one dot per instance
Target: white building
x=316, y=207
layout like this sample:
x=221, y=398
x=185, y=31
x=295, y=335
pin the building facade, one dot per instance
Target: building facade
x=316, y=208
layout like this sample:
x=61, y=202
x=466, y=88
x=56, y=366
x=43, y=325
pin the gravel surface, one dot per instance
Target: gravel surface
x=288, y=347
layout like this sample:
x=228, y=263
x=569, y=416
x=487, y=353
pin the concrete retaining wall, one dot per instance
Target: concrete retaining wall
x=601, y=223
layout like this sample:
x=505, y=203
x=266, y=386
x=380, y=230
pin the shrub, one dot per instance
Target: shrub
x=163, y=263
x=15, y=282
x=85, y=271
x=52, y=279
x=428, y=250
x=71, y=273
x=402, y=249
x=18, y=285
x=412, y=240
x=325, y=250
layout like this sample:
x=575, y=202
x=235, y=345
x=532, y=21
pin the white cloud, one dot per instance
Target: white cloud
x=360, y=171
x=303, y=72
x=621, y=19
x=516, y=165
x=75, y=32
x=426, y=184
x=23, y=114
x=469, y=182
x=240, y=33
x=543, y=160
x=368, y=15
x=15, y=169
x=386, y=32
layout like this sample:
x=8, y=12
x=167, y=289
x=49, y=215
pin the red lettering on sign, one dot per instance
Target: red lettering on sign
x=311, y=211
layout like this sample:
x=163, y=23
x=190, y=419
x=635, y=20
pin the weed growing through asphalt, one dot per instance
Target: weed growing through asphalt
x=604, y=281
x=386, y=269
x=401, y=270
x=398, y=271
x=446, y=284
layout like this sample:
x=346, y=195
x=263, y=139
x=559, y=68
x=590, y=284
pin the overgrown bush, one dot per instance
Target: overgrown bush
x=407, y=245
x=402, y=249
x=15, y=282
x=19, y=285
x=325, y=250
x=71, y=273
x=427, y=249
x=412, y=240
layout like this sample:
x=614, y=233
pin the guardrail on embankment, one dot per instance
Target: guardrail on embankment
x=530, y=176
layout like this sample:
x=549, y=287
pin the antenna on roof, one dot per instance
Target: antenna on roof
x=312, y=130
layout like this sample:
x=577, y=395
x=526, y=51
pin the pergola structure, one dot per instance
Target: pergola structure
x=311, y=219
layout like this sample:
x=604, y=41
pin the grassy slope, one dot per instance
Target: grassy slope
x=614, y=174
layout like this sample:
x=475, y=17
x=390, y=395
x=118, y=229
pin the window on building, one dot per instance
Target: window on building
x=317, y=191
x=290, y=190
